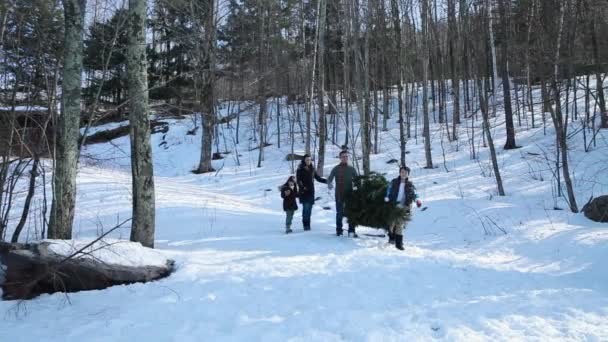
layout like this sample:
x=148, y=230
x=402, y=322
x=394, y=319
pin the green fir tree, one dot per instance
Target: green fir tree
x=365, y=206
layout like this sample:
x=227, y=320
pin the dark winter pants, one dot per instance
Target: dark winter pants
x=398, y=227
x=289, y=218
x=340, y=216
x=306, y=212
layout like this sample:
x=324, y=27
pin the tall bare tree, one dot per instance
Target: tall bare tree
x=592, y=23
x=452, y=42
x=399, y=55
x=143, y=219
x=483, y=104
x=322, y=125
x=503, y=6
x=561, y=124
x=205, y=43
x=68, y=123
x=424, y=8
x=262, y=8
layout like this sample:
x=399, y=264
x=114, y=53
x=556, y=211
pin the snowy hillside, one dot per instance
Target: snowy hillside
x=476, y=266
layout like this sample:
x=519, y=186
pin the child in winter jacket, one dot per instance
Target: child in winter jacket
x=289, y=192
x=401, y=191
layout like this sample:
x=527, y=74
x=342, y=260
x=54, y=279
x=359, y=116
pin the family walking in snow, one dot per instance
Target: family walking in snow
x=401, y=192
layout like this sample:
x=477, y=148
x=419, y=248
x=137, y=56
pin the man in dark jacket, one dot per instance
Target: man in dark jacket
x=306, y=176
x=345, y=176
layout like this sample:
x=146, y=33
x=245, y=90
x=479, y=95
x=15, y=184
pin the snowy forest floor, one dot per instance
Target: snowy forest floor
x=476, y=266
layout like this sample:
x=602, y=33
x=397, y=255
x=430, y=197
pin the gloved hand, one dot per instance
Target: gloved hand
x=385, y=199
x=418, y=203
x=330, y=186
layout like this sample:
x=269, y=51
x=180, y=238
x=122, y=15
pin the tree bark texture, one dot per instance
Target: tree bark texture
x=143, y=219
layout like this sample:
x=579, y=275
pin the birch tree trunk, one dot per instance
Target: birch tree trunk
x=142, y=228
x=66, y=153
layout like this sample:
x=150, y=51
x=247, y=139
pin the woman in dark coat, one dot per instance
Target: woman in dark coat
x=306, y=176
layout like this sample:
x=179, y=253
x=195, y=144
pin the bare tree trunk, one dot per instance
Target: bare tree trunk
x=483, y=104
x=528, y=78
x=321, y=86
x=238, y=119
x=28, y=200
x=262, y=81
x=262, y=122
x=308, y=102
x=362, y=86
x=278, y=116
x=346, y=95
x=376, y=118
x=207, y=99
x=598, y=75
x=400, y=72
x=452, y=33
x=385, y=100
x=383, y=52
x=142, y=229
x=7, y=10
x=506, y=88
x=560, y=124
x=463, y=10
x=545, y=107
x=366, y=117
x=493, y=50
x=66, y=154
x=425, y=81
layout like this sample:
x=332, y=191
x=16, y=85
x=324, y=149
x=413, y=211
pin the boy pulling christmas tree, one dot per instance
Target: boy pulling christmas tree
x=401, y=191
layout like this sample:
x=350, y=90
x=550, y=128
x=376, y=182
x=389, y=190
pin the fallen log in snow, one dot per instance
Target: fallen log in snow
x=28, y=270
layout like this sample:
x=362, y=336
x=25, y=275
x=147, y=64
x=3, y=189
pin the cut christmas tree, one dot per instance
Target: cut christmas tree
x=365, y=206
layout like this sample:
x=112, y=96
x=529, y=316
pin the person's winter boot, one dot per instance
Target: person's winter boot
x=351, y=233
x=399, y=241
x=391, y=238
x=339, y=231
x=306, y=225
x=288, y=230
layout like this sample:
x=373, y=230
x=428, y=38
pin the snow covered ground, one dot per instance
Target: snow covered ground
x=476, y=266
